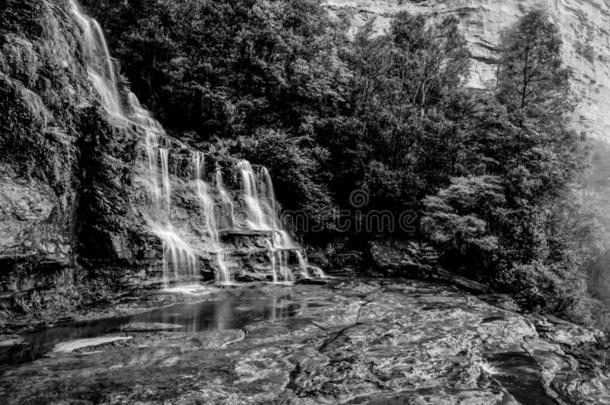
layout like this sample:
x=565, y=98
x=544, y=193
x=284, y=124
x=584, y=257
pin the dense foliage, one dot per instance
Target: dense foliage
x=512, y=216
x=488, y=174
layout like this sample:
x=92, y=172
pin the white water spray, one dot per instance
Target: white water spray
x=207, y=204
x=256, y=218
x=99, y=63
x=180, y=261
x=308, y=271
x=262, y=213
x=226, y=202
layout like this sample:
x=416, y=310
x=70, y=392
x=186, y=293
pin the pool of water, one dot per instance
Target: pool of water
x=520, y=375
x=234, y=310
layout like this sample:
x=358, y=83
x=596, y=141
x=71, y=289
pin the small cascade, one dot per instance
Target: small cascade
x=171, y=217
x=179, y=260
x=227, y=207
x=167, y=188
x=256, y=218
x=262, y=213
x=284, y=269
x=308, y=271
x=207, y=204
x=100, y=66
x=273, y=259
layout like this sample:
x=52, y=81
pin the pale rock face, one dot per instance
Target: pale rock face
x=31, y=220
x=584, y=26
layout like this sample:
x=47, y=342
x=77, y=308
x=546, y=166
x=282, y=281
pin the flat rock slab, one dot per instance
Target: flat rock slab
x=352, y=342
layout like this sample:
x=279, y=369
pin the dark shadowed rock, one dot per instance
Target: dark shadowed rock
x=405, y=259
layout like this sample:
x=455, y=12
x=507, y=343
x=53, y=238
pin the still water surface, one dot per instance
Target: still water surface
x=234, y=310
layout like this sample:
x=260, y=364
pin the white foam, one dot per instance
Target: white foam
x=70, y=346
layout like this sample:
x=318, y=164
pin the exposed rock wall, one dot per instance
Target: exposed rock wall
x=584, y=25
x=38, y=78
x=64, y=167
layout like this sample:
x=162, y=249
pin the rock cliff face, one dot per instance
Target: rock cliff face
x=584, y=25
x=63, y=167
x=38, y=76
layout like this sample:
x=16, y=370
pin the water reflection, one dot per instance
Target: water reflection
x=233, y=311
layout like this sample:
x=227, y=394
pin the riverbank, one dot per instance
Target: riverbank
x=350, y=341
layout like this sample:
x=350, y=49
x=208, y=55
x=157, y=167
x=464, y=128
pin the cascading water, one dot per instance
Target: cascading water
x=256, y=218
x=176, y=253
x=308, y=271
x=207, y=205
x=182, y=248
x=228, y=218
x=100, y=66
x=262, y=213
x=180, y=261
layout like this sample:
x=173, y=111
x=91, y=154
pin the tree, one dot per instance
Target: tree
x=429, y=58
x=395, y=140
x=460, y=219
x=531, y=74
x=527, y=233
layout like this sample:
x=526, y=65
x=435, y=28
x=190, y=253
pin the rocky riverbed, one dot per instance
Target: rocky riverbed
x=350, y=341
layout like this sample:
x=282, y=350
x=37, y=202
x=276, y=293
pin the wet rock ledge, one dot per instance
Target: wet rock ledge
x=352, y=342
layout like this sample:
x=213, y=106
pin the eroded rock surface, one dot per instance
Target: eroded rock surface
x=359, y=342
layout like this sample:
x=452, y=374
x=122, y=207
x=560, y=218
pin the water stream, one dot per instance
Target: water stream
x=100, y=65
x=230, y=310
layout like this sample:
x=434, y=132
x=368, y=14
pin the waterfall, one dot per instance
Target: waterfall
x=99, y=63
x=167, y=188
x=272, y=258
x=179, y=260
x=225, y=201
x=308, y=271
x=285, y=271
x=185, y=240
x=262, y=214
x=255, y=217
x=207, y=205
x=302, y=264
